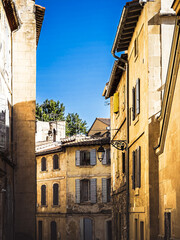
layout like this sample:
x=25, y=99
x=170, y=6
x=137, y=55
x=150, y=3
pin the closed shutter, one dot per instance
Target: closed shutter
x=88, y=229
x=43, y=195
x=116, y=102
x=78, y=159
x=104, y=190
x=133, y=103
x=93, y=190
x=93, y=157
x=82, y=229
x=138, y=162
x=108, y=156
x=133, y=170
x=55, y=194
x=78, y=190
x=138, y=96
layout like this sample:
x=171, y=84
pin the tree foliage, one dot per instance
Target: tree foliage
x=75, y=125
x=50, y=110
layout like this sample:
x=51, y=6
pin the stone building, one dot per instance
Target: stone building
x=73, y=191
x=168, y=147
x=136, y=89
x=20, y=24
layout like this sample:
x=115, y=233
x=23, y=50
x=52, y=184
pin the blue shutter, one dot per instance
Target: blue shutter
x=93, y=157
x=78, y=159
x=78, y=199
x=104, y=190
x=81, y=228
x=104, y=161
x=138, y=96
x=88, y=229
x=93, y=190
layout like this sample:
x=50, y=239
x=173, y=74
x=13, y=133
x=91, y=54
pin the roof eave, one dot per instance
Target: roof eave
x=40, y=12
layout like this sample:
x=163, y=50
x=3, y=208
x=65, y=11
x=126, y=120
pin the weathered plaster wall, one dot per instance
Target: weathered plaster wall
x=24, y=100
x=98, y=127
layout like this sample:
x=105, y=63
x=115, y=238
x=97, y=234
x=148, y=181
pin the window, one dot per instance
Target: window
x=55, y=162
x=116, y=102
x=136, y=99
x=86, y=190
x=167, y=226
x=136, y=229
x=53, y=230
x=109, y=230
x=43, y=195
x=86, y=158
x=141, y=230
x=55, y=194
x=86, y=229
x=136, y=167
x=43, y=164
x=40, y=230
x=123, y=162
x=107, y=157
x=136, y=47
x=106, y=190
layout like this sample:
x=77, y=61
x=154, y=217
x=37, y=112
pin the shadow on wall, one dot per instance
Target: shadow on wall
x=25, y=170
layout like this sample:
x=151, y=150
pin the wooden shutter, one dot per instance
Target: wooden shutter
x=104, y=161
x=78, y=191
x=40, y=230
x=93, y=157
x=133, y=170
x=138, y=162
x=133, y=103
x=43, y=195
x=93, y=190
x=88, y=229
x=116, y=102
x=78, y=158
x=55, y=194
x=108, y=156
x=138, y=96
x=82, y=229
x=104, y=190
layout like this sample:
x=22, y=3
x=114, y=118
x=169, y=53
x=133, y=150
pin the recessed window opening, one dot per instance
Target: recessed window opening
x=55, y=162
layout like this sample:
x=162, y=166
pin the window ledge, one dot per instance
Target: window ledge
x=86, y=166
x=43, y=206
x=136, y=192
x=55, y=206
x=44, y=171
x=55, y=170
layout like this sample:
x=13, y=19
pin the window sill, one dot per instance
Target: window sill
x=55, y=170
x=86, y=166
x=136, y=192
x=43, y=206
x=55, y=206
x=44, y=171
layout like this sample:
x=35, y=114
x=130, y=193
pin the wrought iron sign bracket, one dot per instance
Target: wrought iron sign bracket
x=119, y=144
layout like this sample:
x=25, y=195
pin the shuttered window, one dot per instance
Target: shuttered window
x=53, y=230
x=85, y=158
x=133, y=104
x=55, y=162
x=43, y=164
x=107, y=157
x=86, y=229
x=167, y=225
x=55, y=194
x=106, y=190
x=138, y=96
x=43, y=195
x=40, y=230
x=136, y=168
x=86, y=190
x=116, y=102
x=123, y=162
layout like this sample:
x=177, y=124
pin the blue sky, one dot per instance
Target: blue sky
x=74, y=58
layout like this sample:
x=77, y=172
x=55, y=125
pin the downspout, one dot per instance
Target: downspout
x=127, y=149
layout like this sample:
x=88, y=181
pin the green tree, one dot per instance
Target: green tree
x=50, y=110
x=75, y=125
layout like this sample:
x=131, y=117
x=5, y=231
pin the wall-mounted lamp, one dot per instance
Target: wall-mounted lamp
x=100, y=153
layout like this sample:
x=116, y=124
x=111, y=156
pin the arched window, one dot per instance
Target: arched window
x=43, y=164
x=53, y=230
x=55, y=194
x=55, y=161
x=43, y=195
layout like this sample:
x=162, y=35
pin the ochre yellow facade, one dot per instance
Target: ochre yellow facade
x=69, y=213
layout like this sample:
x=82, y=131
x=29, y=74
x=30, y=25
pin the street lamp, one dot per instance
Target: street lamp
x=101, y=153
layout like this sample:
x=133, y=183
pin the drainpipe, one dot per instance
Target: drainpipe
x=127, y=149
